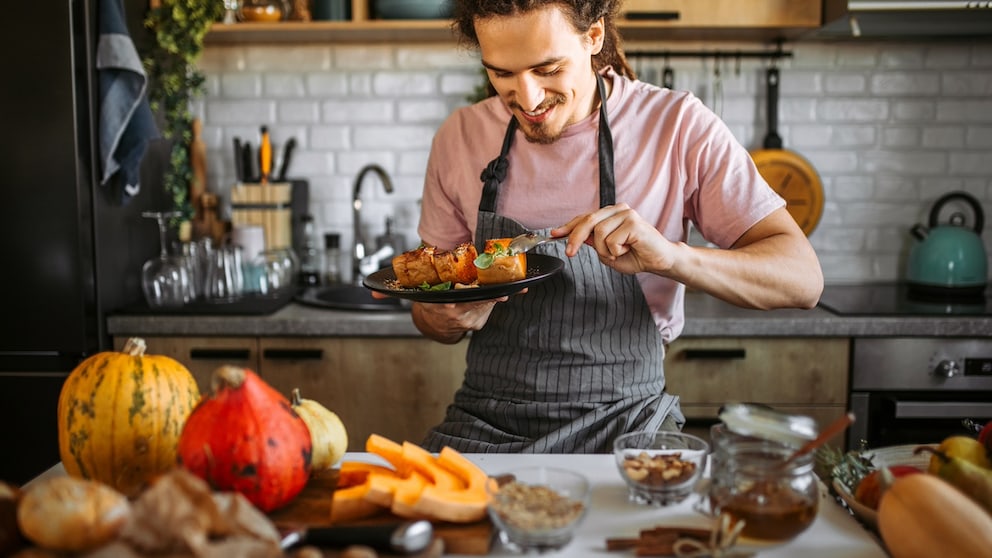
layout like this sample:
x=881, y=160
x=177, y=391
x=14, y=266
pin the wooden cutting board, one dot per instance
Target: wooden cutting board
x=312, y=508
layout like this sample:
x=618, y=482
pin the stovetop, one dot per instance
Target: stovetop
x=897, y=299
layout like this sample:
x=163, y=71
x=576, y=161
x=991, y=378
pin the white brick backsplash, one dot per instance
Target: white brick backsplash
x=430, y=110
x=326, y=84
x=979, y=136
x=889, y=126
x=237, y=86
x=363, y=57
x=403, y=84
x=901, y=84
x=304, y=112
x=357, y=111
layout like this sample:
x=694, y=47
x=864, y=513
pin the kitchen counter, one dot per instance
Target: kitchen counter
x=834, y=532
x=705, y=317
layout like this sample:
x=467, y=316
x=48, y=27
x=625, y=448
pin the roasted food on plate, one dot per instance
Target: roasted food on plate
x=462, y=266
x=457, y=266
x=416, y=267
x=497, y=265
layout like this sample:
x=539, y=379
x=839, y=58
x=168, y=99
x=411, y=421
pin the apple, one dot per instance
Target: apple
x=985, y=437
x=869, y=490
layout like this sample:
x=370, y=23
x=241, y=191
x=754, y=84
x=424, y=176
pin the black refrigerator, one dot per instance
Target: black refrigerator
x=71, y=250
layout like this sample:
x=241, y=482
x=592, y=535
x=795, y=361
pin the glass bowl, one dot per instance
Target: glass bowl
x=538, y=509
x=660, y=468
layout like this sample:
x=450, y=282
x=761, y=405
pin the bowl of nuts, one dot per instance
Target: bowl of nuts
x=537, y=509
x=660, y=468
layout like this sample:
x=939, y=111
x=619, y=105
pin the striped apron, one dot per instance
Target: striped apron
x=571, y=364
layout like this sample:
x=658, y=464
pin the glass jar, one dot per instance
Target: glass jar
x=752, y=477
x=776, y=500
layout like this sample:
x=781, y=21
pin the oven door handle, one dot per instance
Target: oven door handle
x=943, y=410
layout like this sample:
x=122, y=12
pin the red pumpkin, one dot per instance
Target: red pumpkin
x=247, y=438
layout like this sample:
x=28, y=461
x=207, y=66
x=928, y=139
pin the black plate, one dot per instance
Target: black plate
x=539, y=268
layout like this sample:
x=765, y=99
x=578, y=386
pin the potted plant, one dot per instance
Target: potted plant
x=179, y=27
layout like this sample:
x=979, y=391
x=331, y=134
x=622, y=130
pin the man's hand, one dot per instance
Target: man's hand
x=448, y=322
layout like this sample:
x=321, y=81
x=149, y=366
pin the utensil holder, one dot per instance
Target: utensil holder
x=267, y=205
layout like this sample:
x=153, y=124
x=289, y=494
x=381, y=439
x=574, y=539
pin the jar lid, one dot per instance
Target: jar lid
x=748, y=419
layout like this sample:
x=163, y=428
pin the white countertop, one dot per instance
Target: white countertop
x=834, y=534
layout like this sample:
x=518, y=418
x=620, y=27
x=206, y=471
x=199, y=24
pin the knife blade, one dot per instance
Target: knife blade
x=287, y=153
x=408, y=537
x=239, y=168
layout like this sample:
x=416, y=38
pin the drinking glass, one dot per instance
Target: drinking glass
x=225, y=277
x=164, y=279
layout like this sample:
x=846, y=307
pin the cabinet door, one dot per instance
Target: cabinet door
x=394, y=387
x=725, y=13
x=202, y=355
x=801, y=376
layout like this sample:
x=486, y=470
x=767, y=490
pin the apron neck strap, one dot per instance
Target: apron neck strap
x=607, y=181
x=495, y=171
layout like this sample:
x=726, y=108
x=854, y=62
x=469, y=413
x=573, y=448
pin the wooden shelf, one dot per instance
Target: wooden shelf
x=761, y=20
x=332, y=32
x=422, y=31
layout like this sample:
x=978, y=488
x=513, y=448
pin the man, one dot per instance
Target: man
x=578, y=359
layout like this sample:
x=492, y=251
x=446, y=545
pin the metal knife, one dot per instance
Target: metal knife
x=239, y=169
x=408, y=537
x=287, y=153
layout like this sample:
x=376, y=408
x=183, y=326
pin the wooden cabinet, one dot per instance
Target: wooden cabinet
x=802, y=376
x=640, y=20
x=397, y=387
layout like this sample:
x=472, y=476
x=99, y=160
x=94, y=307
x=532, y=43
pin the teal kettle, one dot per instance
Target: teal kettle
x=949, y=259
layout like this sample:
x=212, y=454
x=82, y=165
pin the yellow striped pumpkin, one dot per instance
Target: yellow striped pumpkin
x=121, y=414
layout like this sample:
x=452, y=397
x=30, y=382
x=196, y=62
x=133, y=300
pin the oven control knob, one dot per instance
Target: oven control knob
x=947, y=368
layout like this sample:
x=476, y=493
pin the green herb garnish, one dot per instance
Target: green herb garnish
x=486, y=259
x=446, y=286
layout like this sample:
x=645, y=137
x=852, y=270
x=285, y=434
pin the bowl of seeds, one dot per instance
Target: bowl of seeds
x=538, y=509
x=660, y=468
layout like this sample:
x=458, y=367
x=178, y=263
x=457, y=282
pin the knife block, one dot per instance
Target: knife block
x=268, y=205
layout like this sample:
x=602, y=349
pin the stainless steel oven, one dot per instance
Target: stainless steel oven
x=909, y=390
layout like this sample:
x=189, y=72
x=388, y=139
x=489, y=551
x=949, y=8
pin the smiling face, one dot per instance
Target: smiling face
x=541, y=68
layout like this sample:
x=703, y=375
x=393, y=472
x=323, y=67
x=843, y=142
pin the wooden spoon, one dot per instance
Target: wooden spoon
x=836, y=427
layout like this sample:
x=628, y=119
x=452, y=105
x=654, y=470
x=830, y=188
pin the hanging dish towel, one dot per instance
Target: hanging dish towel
x=126, y=121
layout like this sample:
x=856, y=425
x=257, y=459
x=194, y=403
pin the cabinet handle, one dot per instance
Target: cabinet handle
x=293, y=354
x=653, y=16
x=220, y=354
x=714, y=354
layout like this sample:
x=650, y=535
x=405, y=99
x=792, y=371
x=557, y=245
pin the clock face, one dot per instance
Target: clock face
x=797, y=182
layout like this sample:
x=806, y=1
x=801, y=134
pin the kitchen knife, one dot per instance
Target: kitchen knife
x=408, y=537
x=264, y=155
x=247, y=162
x=287, y=153
x=239, y=169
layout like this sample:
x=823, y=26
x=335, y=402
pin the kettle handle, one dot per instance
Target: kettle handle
x=975, y=207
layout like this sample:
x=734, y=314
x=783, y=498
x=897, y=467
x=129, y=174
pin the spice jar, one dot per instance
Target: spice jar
x=752, y=478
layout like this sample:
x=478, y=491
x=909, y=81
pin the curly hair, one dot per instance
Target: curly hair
x=581, y=13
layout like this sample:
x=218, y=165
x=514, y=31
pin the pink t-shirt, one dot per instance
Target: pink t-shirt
x=675, y=161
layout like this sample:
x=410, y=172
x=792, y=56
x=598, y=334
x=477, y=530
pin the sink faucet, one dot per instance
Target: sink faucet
x=362, y=263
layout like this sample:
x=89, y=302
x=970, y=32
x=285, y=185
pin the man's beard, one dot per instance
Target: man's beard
x=541, y=132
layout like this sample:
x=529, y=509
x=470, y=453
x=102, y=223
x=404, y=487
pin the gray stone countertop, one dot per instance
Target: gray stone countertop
x=705, y=317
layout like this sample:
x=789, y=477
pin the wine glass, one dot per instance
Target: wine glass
x=164, y=279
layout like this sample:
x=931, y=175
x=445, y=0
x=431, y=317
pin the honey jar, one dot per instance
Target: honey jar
x=753, y=478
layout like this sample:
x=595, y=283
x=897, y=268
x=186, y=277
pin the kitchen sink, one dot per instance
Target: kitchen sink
x=349, y=297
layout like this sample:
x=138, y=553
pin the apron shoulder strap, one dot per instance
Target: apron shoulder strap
x=607, y=181
x=495, y=171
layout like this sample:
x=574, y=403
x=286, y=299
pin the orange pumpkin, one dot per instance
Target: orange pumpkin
x=120, y=415
x=246, y=437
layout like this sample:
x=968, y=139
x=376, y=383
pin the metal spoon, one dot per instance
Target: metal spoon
x=526, y=241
